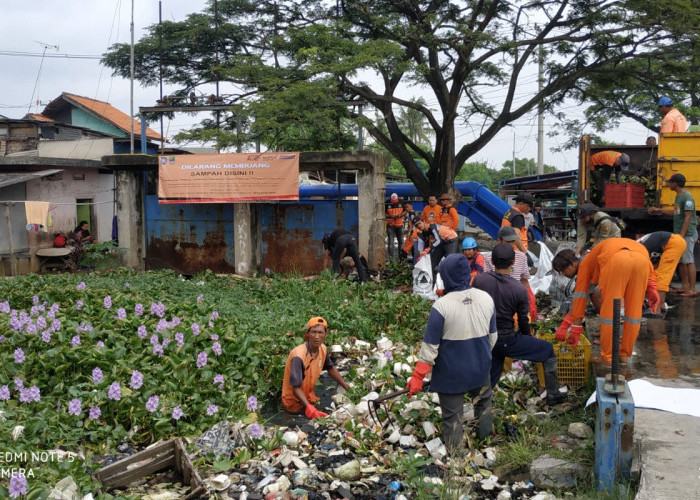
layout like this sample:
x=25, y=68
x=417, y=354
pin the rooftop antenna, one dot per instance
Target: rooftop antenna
x=36, y=83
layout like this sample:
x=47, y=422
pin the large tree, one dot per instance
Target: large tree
x=454, y=54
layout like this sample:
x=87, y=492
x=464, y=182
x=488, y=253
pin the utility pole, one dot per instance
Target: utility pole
x=513, y=152
x=540, y=115
x=131, y=67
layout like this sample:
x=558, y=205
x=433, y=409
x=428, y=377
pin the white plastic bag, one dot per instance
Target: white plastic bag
x=543, y=278
x=423, y=278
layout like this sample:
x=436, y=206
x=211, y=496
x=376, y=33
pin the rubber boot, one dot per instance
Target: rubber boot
x=551, y=382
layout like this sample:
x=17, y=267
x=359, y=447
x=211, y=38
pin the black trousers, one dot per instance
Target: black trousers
x=348, y=243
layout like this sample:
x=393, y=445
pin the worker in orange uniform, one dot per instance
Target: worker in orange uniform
x=409, y=215
x=665, y=251
x=672, y=120
x=448, y=215
x=431, y=212
x=394, y=226
x=443, y=241
x=304, y=366
x=470, y=249
x=515, y=217
x=622, y=269
x=602, y=165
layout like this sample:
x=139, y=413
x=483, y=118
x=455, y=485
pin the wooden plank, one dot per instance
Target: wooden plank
x=127, y=477
x=137, y=457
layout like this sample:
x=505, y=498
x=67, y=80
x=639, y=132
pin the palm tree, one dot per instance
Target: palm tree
x=414, y=124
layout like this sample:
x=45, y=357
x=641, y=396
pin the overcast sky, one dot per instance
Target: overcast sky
x=89, y=27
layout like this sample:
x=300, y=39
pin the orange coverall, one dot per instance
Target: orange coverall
x=673, y=121
x=621, y=268
x=507, y=220
x=673, y=251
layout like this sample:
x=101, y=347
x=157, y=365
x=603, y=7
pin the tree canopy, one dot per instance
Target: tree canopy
x=302, y=69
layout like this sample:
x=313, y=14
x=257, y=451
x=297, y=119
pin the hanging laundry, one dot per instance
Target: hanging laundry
x=37, y=212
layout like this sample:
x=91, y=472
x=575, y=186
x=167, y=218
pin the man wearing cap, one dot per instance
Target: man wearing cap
x=342, y=242
x=672, y=120
x=599, y=224
x=432, y=211
x=685, y=224
x=304, y=366
x=511, y=299
x=456, y=347
x=515, y=217
x=448, y=214
x=603, y=164
x=394, y=226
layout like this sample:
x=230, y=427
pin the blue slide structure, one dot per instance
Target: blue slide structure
x=479, y=203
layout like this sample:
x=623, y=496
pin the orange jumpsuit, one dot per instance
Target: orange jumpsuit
x=431, y=215
x=673, y=121
x=621, y=268
x=673, y=251
x=511, y=215
x=449, y=217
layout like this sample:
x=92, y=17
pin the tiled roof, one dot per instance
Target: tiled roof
x=38, y=117
x=110, y=114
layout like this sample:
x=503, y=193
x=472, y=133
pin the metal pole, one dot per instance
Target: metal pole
x=540, y=117
x=616, y=342
x=13, y=261
x=360, y=141
x=131, y=79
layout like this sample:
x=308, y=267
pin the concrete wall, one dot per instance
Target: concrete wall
x=62, y=191
x=84, y=149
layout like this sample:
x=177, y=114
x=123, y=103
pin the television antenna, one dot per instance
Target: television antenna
x=46, y=46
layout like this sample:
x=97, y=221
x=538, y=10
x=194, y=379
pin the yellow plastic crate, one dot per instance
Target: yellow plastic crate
x=572, y=363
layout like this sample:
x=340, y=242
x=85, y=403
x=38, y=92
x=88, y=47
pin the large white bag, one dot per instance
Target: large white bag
x=543, y=277
x=423, y=278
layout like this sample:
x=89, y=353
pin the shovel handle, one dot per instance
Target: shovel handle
x=392, y=395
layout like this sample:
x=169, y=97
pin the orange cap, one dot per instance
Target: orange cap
x=316, y=320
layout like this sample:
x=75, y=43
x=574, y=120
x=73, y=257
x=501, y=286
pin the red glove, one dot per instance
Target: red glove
x=563, y=328
x=653, y=296
x=415, y=384
x=576, y=331
x=312, y=412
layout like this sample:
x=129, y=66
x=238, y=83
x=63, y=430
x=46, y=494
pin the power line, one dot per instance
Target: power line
x=13, y=53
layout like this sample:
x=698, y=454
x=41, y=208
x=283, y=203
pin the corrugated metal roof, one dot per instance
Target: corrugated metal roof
x=38, y=117
x=111, y=114
x=8, y=179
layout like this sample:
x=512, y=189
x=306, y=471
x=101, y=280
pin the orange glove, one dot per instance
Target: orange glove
x=312, y=412
x=653, y=296
x=576, y=331
x=563, y=328
x=415, y=384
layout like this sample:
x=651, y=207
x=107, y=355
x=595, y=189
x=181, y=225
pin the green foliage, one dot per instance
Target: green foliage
x=491, y=177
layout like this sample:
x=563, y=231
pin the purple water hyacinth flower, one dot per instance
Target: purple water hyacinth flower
x=214, y=314
x=75, y=407
x=152, y=403
x=41, y=322
x=97, y=375
x=19, y=355
x=15, y=324
x=155, y=339
x=4, y=307
x=142, y=333
x=51, y=315
x=2, y=338
x=46, y=336
x=165, y=343
x=4, y=393
x=54, y=308
x=177, y=413
x=100, y=344
x=18, y=486
x=214, y=336
x=211, y=324
x=29, y=395
x=95, y=413
x=195, y=329
x=158, y=350
x=138, y=309
x=158, y=309
x=180, y=339
x=212, y=409
x=252, y=403
x=202, y=359
x=219, y=379
x=115, y=392
x=107, y=302
x=200, y=298
x=18, y=383
x=35, y=299
x=31, y=328
x=162, y=326
x=75, y=341
x=136, y=380
x=388, y=355
x=80, y=286
x=79, y=305
x=84, y=327
x=216, y=347
x=56, y=325
x=256, y=431
x=174, y=322
x=121, y=313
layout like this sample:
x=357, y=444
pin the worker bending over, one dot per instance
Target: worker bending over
x=665, y=251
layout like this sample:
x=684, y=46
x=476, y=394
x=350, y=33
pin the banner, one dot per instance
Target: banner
x=228, y=178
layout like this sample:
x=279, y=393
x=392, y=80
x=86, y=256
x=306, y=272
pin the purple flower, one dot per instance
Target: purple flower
x=29, y=395
x=165, y=342
x=95, y=413
x=212, y=409
x=214, y=314
x=177, y=413
x=100, y=344
x=18, y=384
x=252, y=403
x=5, y=307
x=35, y=299
x=202, y=359
x=41, y=322
x=19, y=356
x=107, y=302
x=75, y=341
x=136, y=380
x=219, y=379
x=79, y=305
x=80, y=286
x=75, y=407
x=195, y=329
x=155, y=339
x=388, y=355
x=152, y=403
x=138, y=309
x=141, y=330
x=214, y=336
x=256, y=431
x=175, y=321
x=115, y=391
x=4, y=393
x=56, y=325
x=211, y=324
x=158, y=350
x=162, y=325
x=46, y=336
x=18, y=486
x=97, y=375
x=158, y=309
x=121, y=313
x=180, y=339
x=31, y=328
x=200, y=298
x=2, y=338
x=216, y=347
x=84, y=327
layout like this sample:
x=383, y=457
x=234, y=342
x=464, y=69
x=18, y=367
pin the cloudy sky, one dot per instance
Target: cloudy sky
x=89, y=27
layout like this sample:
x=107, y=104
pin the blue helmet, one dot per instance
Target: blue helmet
x=665, y=101
x=468, y=243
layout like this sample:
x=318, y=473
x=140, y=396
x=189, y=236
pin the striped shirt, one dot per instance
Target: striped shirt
x=520, y=269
